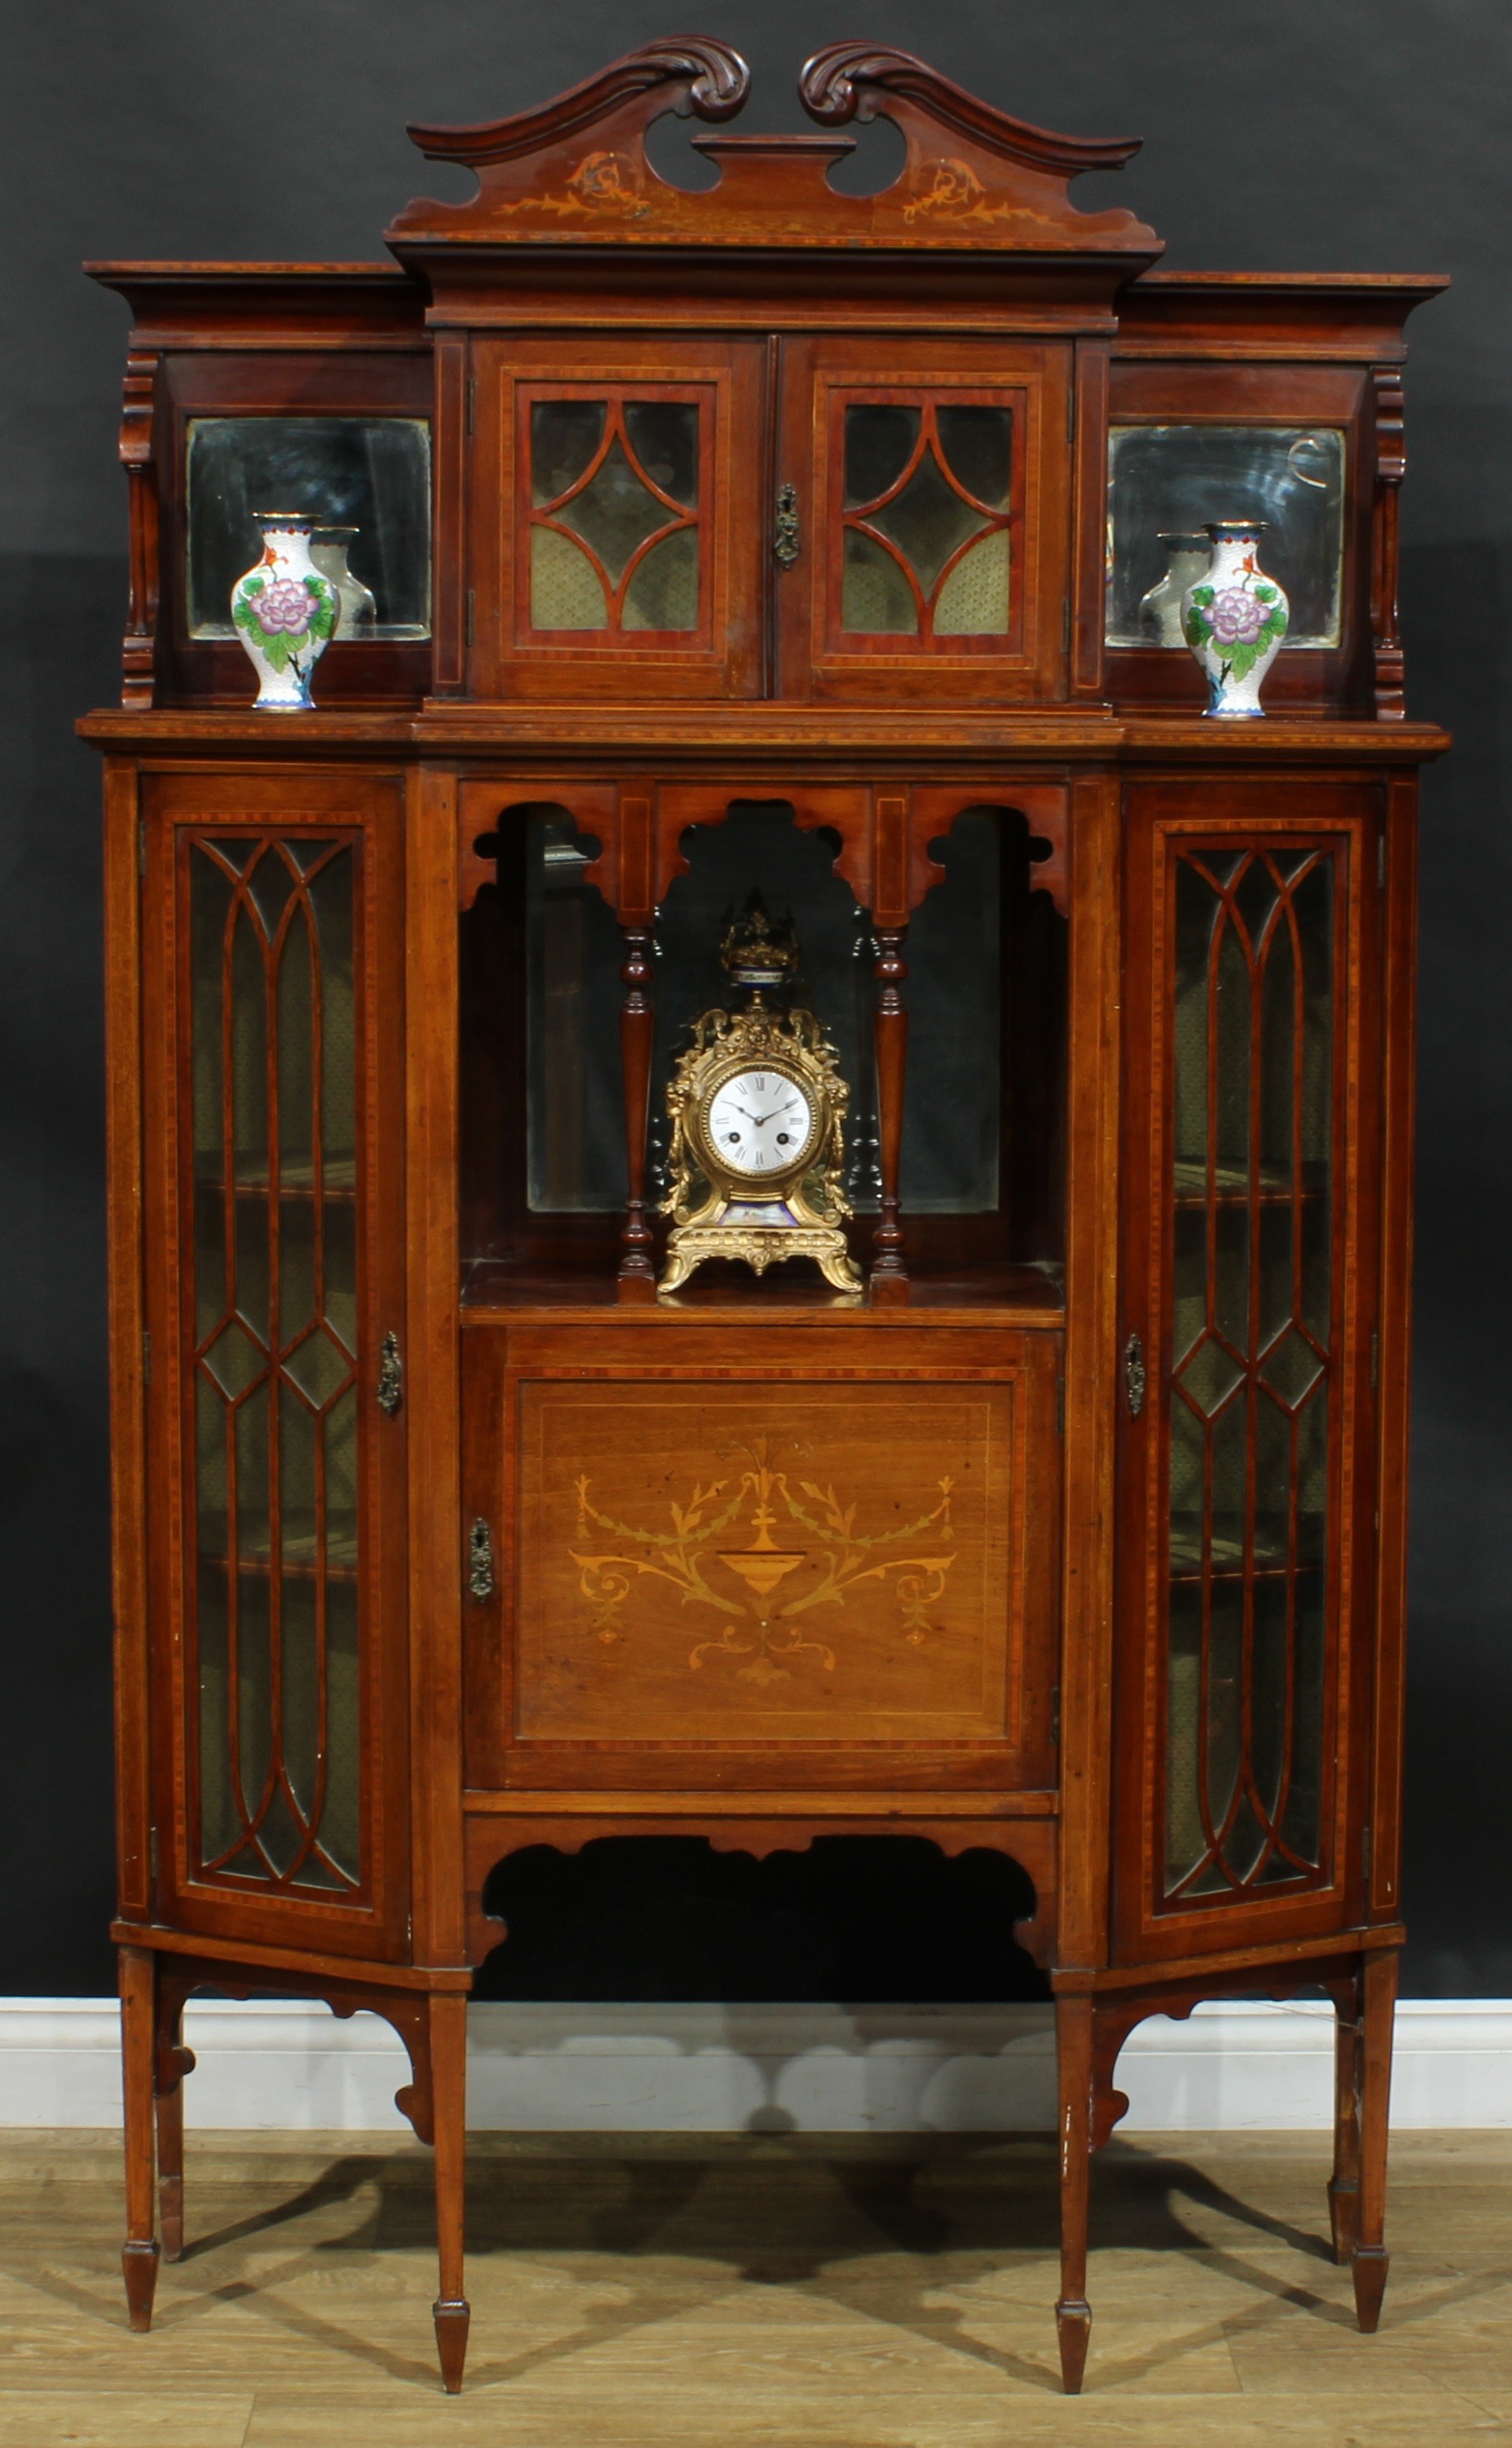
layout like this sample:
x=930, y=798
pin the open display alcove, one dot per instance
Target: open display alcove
x=763, y=630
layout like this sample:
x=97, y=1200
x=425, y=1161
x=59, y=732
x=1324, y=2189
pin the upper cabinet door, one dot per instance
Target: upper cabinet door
x=614, y=537
x=930, y=483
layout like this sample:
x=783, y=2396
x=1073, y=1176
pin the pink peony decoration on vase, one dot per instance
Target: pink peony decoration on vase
x=285, y=606
x=1234, y=618
x=1237, y=618
x=285, y=613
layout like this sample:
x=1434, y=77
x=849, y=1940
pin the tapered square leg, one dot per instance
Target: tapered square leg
x=1073, y=2314
x=1344, y=2184
x=448, y=2074
x=139, y=2256
x=170, y=2172
x=1370, y=2261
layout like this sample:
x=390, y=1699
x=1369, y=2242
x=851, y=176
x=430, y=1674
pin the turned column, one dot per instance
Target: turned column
x=890, y=1280
x=637, y=1033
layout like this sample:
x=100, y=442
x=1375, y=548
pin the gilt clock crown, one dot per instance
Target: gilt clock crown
x=759, y=951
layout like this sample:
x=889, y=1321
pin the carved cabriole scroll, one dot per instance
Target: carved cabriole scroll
x=1390, y=466
x=577, y=169
x=139, y=645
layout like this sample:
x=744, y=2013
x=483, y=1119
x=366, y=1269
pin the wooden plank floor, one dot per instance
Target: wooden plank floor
x=797, y=2291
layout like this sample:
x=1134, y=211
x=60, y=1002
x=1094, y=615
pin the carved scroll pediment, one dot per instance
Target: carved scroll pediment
x=577, y=169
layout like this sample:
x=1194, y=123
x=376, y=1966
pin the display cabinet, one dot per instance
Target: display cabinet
x=759, y=785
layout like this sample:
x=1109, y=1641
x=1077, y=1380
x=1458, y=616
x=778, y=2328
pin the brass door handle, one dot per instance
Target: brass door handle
x=786, y=537
x=479, y=1561
x=1134, y=1374
x=390, y=1393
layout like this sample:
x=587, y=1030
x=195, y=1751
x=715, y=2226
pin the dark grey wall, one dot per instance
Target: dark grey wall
x=1363, y=135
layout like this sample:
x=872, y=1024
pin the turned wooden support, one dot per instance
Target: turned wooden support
x=890, y=1280
x=636, y=1035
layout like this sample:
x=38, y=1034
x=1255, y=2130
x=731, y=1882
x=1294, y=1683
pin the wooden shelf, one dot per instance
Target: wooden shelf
x=497, y=1293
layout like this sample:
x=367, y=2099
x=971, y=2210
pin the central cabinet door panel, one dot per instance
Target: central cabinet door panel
x=617, y=517
x=933, y=518
x=709, y=1568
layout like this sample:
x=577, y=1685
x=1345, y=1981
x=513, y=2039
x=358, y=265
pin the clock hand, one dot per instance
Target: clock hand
x=762, y=1119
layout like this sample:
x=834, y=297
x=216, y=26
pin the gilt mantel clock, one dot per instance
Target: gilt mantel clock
x=767, y=539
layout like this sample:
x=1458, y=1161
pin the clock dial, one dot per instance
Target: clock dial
x=759, y=1123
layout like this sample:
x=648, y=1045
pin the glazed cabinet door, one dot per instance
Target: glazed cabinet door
x=614, y=537
x=922, y=540
x=1251, y=1196
x=273, y=1014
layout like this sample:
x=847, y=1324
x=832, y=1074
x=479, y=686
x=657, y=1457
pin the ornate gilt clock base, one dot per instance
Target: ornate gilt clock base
x=761, y=1246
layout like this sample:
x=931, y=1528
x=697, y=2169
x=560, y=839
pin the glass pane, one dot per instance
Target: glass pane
x=615, y=511
x=663, y=436
x=1250, y=1399
x=876, y=598
x=879, y=442
x=929, y=480
x=978, y=447
x=273, y=1058
x=973, y=603
x=953, y=1096
x=617, y=476
x=663, y=593
x=369, y=475
x=566, y=591
x=576, y=1099
x=927, y=521
x=564, y=435
x=1166, y=481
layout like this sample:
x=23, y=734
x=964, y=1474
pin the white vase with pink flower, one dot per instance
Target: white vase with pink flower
x=285, y=611
x=1234, y=619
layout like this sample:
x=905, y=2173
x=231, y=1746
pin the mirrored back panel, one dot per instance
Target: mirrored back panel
x=1165, y=482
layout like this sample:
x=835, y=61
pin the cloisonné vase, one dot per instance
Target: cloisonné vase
x=285, y=613
x=1234, y=618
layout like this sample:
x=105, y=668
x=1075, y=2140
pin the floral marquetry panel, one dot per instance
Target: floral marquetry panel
x=734, y=1563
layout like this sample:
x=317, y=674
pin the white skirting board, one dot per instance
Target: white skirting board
x=287, y=2065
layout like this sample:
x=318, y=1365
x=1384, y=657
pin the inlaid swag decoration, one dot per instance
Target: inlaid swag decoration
x=1252, y=1386
x=614, y=515
x=274, y=1100
x=744, y=1581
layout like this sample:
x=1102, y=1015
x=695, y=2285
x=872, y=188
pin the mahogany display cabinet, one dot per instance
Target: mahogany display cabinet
x=760, y=536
